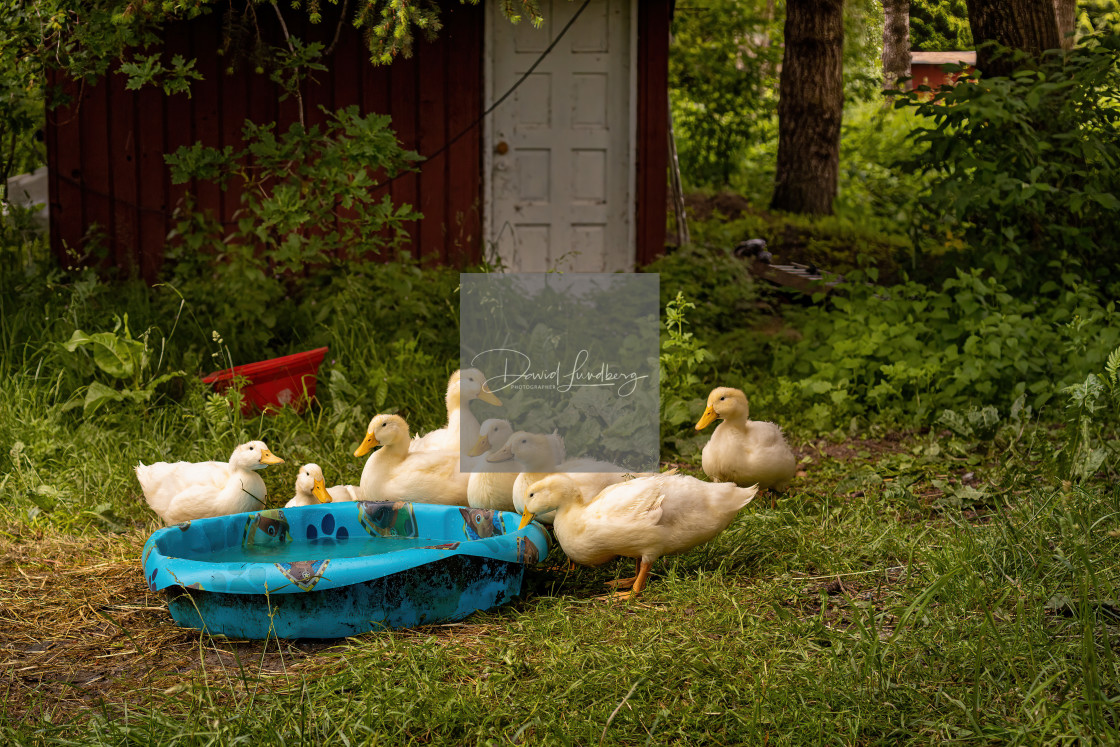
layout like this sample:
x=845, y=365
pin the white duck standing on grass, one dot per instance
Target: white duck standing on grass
x=183, y=491
x=465, y=386
x=744, y=451
x=394, y=473
x=537, y=456
x=311, y=487
x=643, y=518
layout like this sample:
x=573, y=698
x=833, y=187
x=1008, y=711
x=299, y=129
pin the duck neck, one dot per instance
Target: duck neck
x=382, y=461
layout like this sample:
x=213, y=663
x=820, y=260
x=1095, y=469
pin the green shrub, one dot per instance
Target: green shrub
x=903, y=354
x=307, y=215
x=1025, y=169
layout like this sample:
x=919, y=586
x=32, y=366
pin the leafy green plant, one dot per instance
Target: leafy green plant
x=1092, y=415
x=125, y=360
x=683, y=358
x=905, y=353
x=1025, y=168
x=723, y=73
x=307, y=212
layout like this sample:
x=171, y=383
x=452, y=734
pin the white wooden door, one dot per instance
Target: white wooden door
x=560, y=163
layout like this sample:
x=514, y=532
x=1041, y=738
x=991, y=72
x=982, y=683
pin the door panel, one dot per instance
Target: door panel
x=559, y=168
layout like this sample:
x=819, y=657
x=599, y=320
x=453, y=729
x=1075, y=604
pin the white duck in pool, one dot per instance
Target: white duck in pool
x=395, y=473
x=183, y=491
x=643, y=518
x=537, y=456
x=465, y=386
x=744, y=451
x=311, y=487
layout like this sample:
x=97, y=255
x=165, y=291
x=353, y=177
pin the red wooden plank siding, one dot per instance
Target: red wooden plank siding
x=177, y=131
x=653, y=129
x=96, y=181
x=65, y=162
x=234, y=97
x=153, y=196
x=431, y=139
x=346, y=63
x=403, y=84
x=206, y=105
x=463, y=216
x=123, y=242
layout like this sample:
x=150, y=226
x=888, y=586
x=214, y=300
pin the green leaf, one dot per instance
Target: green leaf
x=97, y=395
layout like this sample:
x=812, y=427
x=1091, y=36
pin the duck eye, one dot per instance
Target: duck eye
x=721, y=399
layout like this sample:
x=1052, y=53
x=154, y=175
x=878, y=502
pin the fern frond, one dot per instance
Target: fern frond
x=1112, y=369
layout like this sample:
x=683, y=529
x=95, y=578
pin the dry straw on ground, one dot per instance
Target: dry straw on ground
x=79, y=628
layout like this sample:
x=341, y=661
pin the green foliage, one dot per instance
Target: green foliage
x=683, y=357
x=718, y=287
x=906, y=353
x=307, y=213
x=938, y=26
x=863, y=50
x=1092, y=412
x=118, y=356
x=1098, y=16
x=1025, y=168
x=150, y=69
x=723, y=74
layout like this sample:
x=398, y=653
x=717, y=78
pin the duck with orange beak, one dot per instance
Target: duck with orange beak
x=311, y=487
x=744, y=451
x=183, y=491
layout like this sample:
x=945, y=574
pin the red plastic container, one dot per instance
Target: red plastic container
x=275, y=383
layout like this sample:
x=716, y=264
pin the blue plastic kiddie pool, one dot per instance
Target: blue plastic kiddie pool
x=339, y=569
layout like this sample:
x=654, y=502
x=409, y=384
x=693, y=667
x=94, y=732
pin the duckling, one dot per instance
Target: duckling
x=744, y=451
x=394, y=473
x=537, y=456
x=310, y=487
x=462, y=426
x=183, y=491
x=643, y=518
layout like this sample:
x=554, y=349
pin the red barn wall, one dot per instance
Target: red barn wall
x=105, y=150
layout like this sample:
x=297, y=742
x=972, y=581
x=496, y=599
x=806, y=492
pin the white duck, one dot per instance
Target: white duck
x=182, y=491
x=465, y=386
x=394, y=473
x=491, y=489
x=643, y=518
x=537, y=456
x=744, y=451
x=311, y=487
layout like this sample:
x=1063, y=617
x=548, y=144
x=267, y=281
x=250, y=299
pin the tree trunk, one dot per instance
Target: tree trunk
x=1065, y=11
x=896, y=42
x=810, y=105
x=1029, y=26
